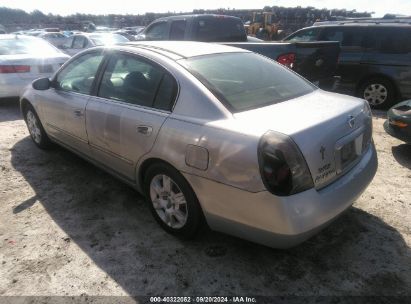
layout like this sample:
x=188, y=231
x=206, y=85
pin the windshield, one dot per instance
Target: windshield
x=15, y=46
x=104, y=39
x=243, y=81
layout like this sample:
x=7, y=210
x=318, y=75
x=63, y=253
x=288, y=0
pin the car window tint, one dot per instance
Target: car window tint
x=157, y=31
x=347, y=36
x=130, y=79
x=244, y=81
x=305, y=35
x=393, y=40
x=166, y=93
x=78, y=75
x=219, y=29
x=177, y=30
x=78, y=42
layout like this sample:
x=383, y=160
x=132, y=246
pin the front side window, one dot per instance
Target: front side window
x=78, y=76
x=157, y=31
x=243, y=81
x=306, y=35
x=134, y=80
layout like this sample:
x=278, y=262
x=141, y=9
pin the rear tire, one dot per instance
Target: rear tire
x=379, y=92
x=173, y=202
x=36, y=130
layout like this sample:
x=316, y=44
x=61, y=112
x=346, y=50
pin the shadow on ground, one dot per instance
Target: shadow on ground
x=358, y=254
x=9, y=109
x=402, y=155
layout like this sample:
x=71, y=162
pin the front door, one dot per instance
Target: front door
x=65, y=103
x=134, y=99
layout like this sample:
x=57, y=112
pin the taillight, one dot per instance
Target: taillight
x=7, y=69
x=287, y=59
x=283, y=168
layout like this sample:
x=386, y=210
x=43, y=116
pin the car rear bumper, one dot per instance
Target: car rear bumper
x=13, y=86
x=281, y=222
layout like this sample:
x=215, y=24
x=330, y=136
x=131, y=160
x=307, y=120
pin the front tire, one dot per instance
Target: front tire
x=379, y=92
x=36, y=130
x=172, y=201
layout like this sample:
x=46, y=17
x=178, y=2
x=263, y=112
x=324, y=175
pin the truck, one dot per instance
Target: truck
x=316, y=61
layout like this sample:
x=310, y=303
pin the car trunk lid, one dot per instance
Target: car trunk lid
x=331, y=130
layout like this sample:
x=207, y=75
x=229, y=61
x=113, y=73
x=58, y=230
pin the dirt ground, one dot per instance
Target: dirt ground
x=68, y=228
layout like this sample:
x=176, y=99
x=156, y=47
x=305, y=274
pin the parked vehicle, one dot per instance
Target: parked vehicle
x=375, y=58
x=398, y=123
x=206, y=28
x=55, y=38
x=315, y=61
x=80, y=42
x=23, y=59
x=210, y=132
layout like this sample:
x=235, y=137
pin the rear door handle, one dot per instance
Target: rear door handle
x=145, y=130
x=78, y=112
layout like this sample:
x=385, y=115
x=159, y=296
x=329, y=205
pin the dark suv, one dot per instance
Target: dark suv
x=375, y=57
x=207, y=28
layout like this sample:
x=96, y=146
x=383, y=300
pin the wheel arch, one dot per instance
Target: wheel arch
x=367, y=77
x=142, y=169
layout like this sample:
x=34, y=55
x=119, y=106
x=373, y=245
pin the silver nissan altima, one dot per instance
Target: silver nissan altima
x=210, y=134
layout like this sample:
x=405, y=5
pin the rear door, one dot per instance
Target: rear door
x=134, y=98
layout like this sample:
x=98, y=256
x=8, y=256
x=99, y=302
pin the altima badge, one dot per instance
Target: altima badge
x=351, y=121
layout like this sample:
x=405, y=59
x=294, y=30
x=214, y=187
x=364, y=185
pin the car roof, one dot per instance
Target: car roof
x=184, y=49
x=195, y=16
x=359, y=23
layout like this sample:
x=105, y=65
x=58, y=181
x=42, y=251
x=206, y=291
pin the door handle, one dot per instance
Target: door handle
x=145, y=130
x=78, y=112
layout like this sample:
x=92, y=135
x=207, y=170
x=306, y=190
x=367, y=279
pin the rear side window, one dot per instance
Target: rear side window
x=243, y=81
x=79, y=42
x=178, y=29
x=136, y=81
x=347, y=36
x=219, y=29
x=393, y=40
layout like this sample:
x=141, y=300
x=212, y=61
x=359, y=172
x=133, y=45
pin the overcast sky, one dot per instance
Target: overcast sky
x=380, y=7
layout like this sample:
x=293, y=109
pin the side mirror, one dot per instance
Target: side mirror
x=41, y=84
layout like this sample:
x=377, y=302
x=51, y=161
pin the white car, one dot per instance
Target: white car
x=80, y=42
x=24, y=59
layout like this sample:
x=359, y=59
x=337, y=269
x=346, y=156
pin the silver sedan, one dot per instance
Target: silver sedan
x=210, y=134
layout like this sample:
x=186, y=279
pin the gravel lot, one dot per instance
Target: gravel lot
x=68, y=228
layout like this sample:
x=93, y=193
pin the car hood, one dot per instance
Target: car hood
x=317, y=122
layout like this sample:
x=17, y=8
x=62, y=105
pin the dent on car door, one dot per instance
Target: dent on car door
x=135, y=97
x=64, y=104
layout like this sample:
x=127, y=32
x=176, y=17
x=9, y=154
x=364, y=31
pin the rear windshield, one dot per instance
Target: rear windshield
x=243, y=81
x=219, y=29
x=15, y=46
x=107, y=39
